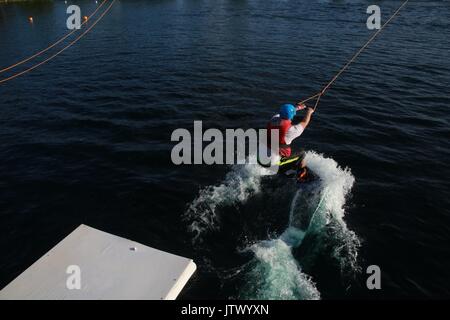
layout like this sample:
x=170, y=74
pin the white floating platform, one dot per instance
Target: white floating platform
x=110, y=267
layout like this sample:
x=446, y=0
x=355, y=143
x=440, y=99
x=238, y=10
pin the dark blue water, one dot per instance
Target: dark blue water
x=86, y=137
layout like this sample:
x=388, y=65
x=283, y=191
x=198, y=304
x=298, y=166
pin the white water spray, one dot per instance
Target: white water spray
x=274, y=272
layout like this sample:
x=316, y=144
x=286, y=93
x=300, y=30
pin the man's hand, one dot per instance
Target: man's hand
x=301, y=106
x=307, y=118
x=310, y=110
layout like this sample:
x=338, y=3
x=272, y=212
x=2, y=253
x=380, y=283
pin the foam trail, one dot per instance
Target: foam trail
x=336, y=184
x=240, y=183
x=275, y=273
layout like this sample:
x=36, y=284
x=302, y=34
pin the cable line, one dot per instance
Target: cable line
x=51, y=46
x=327, y=86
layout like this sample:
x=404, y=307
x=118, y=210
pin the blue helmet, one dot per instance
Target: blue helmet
x=288, y=111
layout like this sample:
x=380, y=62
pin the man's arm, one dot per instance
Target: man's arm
x=296, y=130
x=307, y=118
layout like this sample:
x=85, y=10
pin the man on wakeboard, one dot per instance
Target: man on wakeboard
x=287, y=131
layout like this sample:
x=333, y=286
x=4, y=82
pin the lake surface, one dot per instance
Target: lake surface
x=86, y=138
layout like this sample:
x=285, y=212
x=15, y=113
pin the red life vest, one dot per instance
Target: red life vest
x=282, y=125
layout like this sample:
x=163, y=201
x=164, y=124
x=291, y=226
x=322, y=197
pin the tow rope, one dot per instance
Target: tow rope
x=54, y=44
x=318, y=95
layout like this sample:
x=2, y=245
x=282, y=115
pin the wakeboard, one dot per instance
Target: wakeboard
x=309, y=177
x=289, y=168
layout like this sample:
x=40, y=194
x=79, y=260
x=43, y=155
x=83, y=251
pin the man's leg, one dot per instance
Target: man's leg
x=301, y=164
x=300, y=154
x=295, y=164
